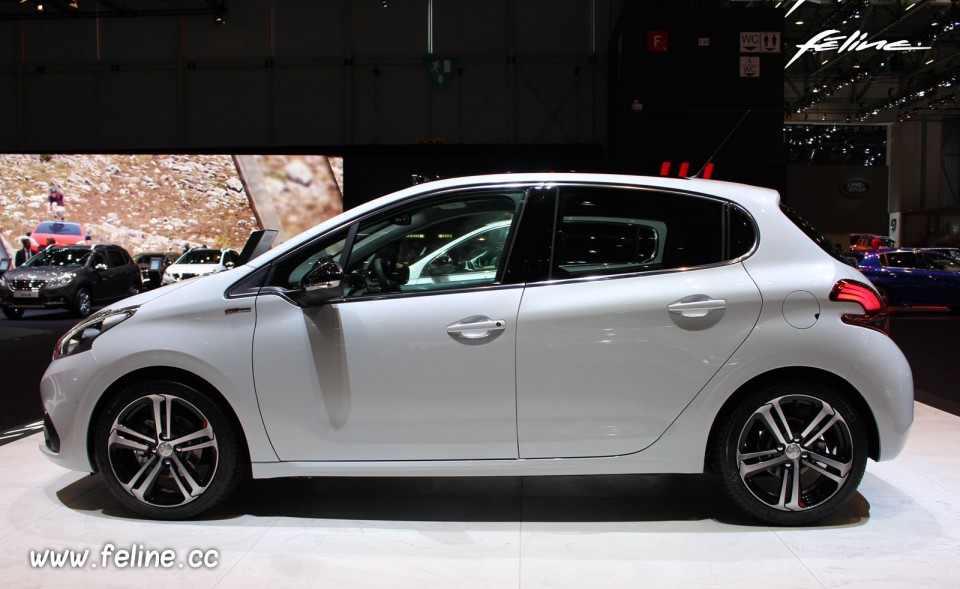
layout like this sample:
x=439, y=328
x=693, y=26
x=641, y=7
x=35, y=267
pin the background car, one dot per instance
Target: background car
x=628, y=325
x=199, y=262
x=914, y=277
x=865, y=242
x=73, y=277
x=62, y=233
x=152, y=266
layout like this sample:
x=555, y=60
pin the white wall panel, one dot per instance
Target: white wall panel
x=309, y=28
x=60, y=111
x=9, y=43
x=471, y=27
x=227, y=107
x=393, y=105
x=546, y=26
x=9, y=105
x=246, y=34
x=484, y=103
x=546, y=96
x=62, y=41
x=310, y=106
x=150, y=40
x=138, y=109
x=386, y=33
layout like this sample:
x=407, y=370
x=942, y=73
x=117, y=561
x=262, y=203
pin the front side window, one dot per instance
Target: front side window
x=456, y=242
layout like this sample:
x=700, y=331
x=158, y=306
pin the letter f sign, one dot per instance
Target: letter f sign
x=657, y=40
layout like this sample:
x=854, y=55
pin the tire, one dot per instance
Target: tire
x=757, y=469
x=884, y=296
x=13, y=312
x=82, y=302
x=134, y=289
x=164, y=479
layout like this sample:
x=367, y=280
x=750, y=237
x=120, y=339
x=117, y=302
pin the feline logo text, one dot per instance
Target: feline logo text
x=834, y=40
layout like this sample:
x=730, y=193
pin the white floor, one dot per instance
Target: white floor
x=902, y=530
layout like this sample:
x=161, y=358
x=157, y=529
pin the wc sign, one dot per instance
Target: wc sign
x=760, y=42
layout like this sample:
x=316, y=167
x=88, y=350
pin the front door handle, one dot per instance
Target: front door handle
x=697, y=308
x=476, y=328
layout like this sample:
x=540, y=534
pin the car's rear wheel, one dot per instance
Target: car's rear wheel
x=167, y=451
x=82, y=302
x=13, y=312
x=791, y=453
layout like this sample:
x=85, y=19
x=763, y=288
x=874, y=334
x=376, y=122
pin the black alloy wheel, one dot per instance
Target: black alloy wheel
x=791, y=453
x=13, y=312
x=167, y=451
x=82, y=302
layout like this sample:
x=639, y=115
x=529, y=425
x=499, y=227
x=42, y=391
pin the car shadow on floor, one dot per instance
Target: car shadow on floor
x=558, y=499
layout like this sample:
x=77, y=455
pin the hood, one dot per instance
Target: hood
x=40, y=272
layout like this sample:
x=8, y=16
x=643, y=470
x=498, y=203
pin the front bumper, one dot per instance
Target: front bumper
x=45, y=298
x=68, y=409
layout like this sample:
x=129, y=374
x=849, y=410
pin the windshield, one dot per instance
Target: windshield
x=58, y=228
x=200, y=257
x=59, y=258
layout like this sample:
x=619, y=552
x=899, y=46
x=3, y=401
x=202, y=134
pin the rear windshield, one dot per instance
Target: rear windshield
x=58, y=228
x=814, y=235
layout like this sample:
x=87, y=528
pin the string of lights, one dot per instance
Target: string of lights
x=852, y=145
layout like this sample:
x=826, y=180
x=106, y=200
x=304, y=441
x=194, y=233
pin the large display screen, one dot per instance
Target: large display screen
x=167, y=202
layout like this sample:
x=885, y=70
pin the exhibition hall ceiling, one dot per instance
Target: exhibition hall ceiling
x=855, y=61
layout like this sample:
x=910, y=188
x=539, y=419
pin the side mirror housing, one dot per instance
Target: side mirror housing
x=324, y=282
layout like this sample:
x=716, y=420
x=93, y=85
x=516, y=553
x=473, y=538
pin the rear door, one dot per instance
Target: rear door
x=645, y=302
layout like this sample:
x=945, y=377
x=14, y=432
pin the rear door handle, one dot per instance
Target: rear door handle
x=476, y=328
x=697, y=308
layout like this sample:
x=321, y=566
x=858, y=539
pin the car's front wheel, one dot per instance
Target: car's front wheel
x=167, y=451
x=13, y=312
x=791, y=453
x=82, y=302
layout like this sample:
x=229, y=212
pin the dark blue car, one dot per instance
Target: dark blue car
x=911, y=278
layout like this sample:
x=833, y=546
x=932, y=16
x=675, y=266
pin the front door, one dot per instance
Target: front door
x=398, y=369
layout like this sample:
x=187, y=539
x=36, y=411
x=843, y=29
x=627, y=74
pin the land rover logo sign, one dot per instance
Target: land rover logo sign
x=855, y=188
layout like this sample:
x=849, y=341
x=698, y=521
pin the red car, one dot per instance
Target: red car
x=61, y=232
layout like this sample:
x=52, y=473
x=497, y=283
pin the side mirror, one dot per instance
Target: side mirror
x=324, y=282
x=442, y=264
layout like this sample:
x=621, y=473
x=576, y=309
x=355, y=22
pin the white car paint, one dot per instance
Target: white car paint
x=597, y=375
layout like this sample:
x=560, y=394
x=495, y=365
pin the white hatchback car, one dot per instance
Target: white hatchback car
x=199, y=261
x=619, y=324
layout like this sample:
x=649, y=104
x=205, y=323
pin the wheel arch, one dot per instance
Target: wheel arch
x=801, y=374
x=162, y=373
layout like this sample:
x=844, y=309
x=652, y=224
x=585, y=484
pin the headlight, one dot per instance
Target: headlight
x=62, y=280
x=81, y=336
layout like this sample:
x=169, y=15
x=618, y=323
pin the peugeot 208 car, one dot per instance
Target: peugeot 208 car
x=626, y=325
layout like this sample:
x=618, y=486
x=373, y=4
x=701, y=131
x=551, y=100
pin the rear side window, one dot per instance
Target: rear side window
x=116, y=258
x=605, y=231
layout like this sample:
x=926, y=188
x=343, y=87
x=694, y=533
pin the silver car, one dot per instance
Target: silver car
x=611, y=324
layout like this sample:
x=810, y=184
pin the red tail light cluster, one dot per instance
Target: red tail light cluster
x=874, y=313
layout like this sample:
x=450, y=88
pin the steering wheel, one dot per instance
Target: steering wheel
x=385, y=277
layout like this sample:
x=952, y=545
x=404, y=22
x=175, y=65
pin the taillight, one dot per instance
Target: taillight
x=874, y=313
